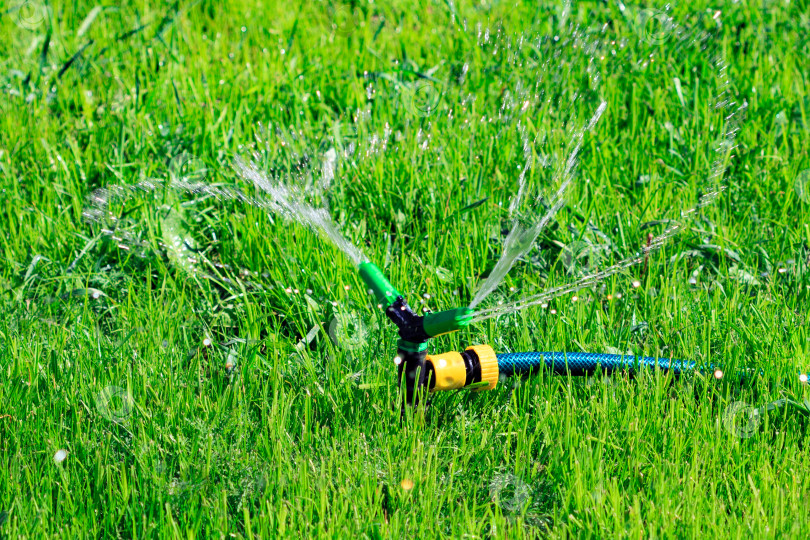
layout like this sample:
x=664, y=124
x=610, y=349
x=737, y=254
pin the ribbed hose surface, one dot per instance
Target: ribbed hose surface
x=577, y=363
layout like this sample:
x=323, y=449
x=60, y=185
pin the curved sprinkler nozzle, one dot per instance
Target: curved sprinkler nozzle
x=412, y=327
x=373, y=277
x=444, y=322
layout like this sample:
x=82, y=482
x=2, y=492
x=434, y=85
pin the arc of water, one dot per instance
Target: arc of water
x=285, y=201
x=724, y=148
x=522, y=236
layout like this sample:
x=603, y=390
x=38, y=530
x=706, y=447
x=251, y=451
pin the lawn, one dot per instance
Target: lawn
x=178, y=358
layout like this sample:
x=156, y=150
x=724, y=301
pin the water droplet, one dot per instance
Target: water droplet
x=802, y=185
x=60, y=456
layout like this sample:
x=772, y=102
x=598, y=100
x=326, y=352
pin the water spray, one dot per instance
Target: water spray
x=479, y=367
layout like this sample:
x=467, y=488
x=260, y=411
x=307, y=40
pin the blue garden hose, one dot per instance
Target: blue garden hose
x=578, y=363
x=479, y=365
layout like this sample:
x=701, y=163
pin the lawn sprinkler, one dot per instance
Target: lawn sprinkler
x=417, y=370
x=478, y=367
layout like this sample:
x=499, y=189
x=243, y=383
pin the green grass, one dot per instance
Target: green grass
x=182, y=392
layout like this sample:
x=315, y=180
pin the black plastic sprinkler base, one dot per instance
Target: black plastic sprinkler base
x=412, y=371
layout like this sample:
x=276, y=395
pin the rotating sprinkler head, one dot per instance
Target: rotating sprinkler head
x=417, y=371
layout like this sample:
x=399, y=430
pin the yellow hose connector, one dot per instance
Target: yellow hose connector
x=489, y=365
x=450, y=371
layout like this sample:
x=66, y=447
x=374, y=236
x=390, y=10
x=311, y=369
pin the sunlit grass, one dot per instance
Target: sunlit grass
x=205, y=368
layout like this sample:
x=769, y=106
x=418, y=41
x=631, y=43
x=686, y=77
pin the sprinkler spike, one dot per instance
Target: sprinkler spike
x=412, y=370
